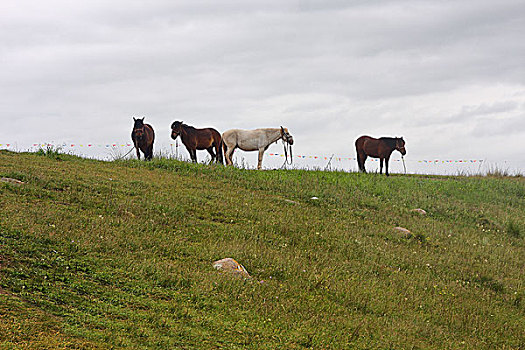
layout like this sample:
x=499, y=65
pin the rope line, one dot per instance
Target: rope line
x=287, y=153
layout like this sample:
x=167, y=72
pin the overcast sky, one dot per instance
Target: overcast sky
x=449, y=76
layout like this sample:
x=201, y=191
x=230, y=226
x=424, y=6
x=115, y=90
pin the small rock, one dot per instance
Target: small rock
x=403, y=230
x=419, y=211
x=290, y=201
x=12, y=181
x=314, y=198
x=232, y=266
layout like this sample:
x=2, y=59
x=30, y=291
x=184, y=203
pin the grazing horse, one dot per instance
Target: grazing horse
x=253, y=140
x=198, y=139
x=143, y=137
x=381, y=148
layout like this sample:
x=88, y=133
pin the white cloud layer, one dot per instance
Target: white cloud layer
x=447, y=75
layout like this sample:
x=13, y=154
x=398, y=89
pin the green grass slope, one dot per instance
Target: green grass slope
x=98, y=255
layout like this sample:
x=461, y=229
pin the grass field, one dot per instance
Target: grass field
x=99, y=255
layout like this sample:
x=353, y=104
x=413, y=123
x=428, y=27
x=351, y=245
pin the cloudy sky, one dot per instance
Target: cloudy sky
x=449, y=76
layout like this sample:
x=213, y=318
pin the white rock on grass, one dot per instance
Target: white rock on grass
x=403, y=230
x=231, y=266
x=12, y=181
x=419, y=211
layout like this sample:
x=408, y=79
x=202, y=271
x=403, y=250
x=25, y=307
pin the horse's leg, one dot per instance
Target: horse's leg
x=228, y=155
x=138, y=151
x=381, y=166
x=190, y=151
x=210, y=151
x=218, y=152
x=194, y=155
x=147, y=152
x=261, y=153
x=150, y=152
x=386, y=165
x=361, y=161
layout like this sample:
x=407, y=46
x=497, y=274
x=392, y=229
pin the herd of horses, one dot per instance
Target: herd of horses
x=259, y=140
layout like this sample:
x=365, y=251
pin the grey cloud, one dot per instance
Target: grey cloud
x=490, y=127
x=348, y=53
x=468, y=112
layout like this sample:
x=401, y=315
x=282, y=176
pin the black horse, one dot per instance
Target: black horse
x=381, y=148
x=143, y=137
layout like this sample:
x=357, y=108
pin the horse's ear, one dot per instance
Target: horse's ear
x=143, y=118
x=134, y=119
x=282, y=130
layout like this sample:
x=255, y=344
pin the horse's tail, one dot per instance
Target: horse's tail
x=220, y=153
x=359, y=162
x=224, y=148
x=358, y=145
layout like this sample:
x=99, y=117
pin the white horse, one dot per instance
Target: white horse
x=252, y=140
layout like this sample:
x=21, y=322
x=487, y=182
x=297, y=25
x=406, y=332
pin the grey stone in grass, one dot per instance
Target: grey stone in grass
x=12, y=181
x=403, y=230
x=419, y=211
x=231, y=266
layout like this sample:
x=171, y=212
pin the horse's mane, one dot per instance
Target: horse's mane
x=183, y=125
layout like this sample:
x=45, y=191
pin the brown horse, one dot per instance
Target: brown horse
x=381, y=148
x=198, y=139
x=143, y=137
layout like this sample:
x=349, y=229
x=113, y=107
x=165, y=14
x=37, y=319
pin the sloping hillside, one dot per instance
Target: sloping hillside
x=119, y=255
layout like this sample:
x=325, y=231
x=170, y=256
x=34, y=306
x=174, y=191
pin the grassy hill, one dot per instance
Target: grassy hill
x=99, y=255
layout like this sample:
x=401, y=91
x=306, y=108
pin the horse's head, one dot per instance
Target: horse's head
x=176, y=129
x=285, y=135
x=400, y=145
x=138, y=127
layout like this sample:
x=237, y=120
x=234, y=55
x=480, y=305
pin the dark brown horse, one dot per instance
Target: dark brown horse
x=143, y=137
x=198, y=139
x=381, y=148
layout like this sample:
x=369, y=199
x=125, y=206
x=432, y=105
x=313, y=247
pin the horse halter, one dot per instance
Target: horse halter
x=139, y=128
x=176, y=133
x=139, y=132
x=178, y=126
x=400, y=146
x=286, y=137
